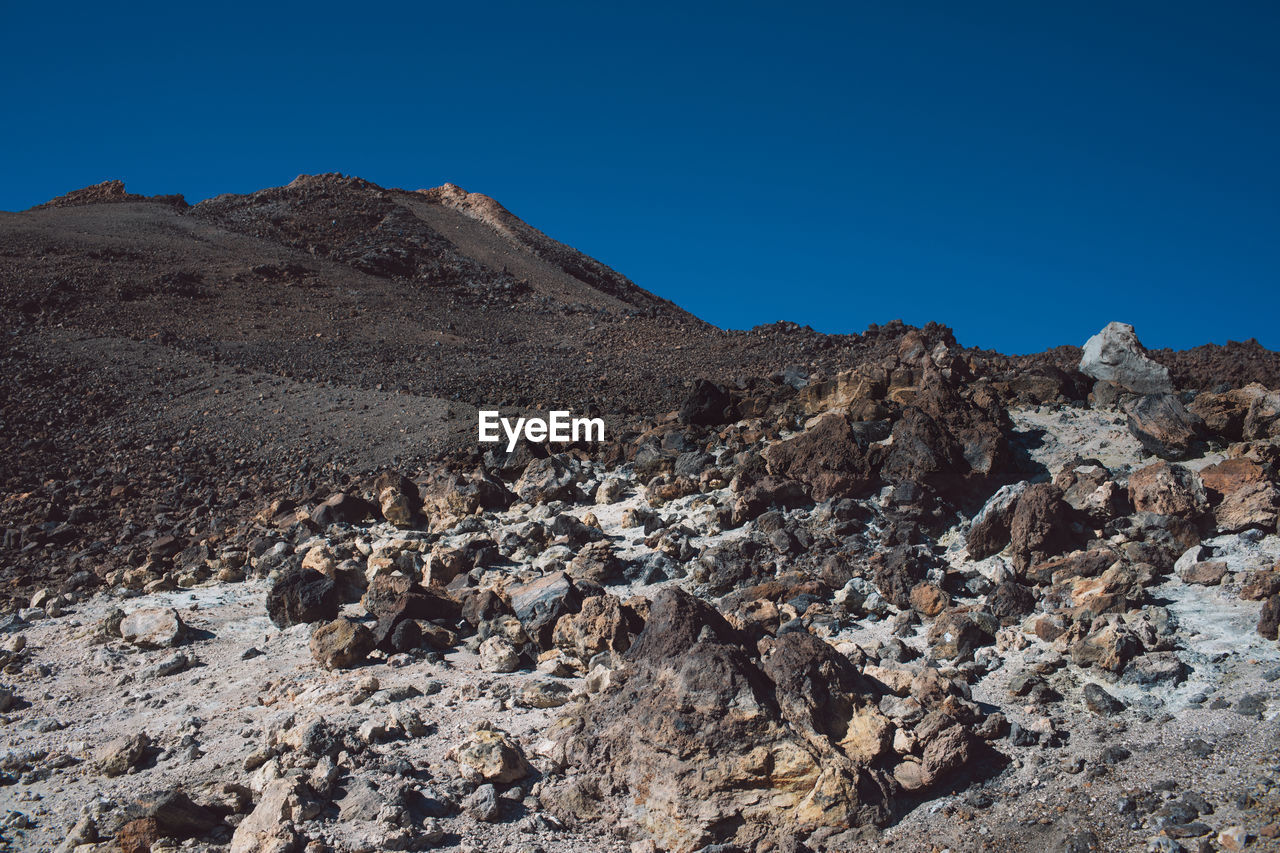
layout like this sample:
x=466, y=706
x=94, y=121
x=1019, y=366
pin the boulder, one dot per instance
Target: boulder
x=176, y=816
x=1116, y=355
x=397, y=498
x=1204, y=574
x=707, y=404
x=553, y=478
x=498, y=655
x=1167, y=489
x=341, y=644
x=1100, y=702
x=989, y=533
x=1242, y=495
x=1092, y=491
x=448, y=493
x=492, y=755
x=603, y=624
x=1269, y=618
x=596, y=562
x=1109, y=647
x=831, y=457
x=717, y=752
x=1043, y=525
x=302, y=596
x=768, y=493
x=1010, y=601
x=956, y=635
x=540, y=603
x=923, y=452
x=1164, y=426
x=120, y=756
x=1261, y=585
x=269, y=828
x=153, y=628
x=928, y=599
x=341, y=508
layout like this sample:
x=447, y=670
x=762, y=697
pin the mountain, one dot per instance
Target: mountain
x=819, y=585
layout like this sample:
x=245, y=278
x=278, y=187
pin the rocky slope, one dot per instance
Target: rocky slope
x=854, y=593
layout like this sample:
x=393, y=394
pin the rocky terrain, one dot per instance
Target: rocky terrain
x=867, y=592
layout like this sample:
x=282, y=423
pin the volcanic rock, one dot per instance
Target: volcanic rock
x=695, y=712
x=769, y=493
x=302, y=596
x=831, y=457
x=341, y=644
x=708, y=404
x=153, y=628
x=540, y=603
x=1042, y=526
x=397, y=498
x=1164, y=426
x=498, y=655
x=1269, y=618
x=956, y=635
x=119, y=756
x=603, y=624
x=1115, y=355
x=990, y=531
x=1100, y=702
x=553, y=478
x=1242, y=494
x=493, y=755
x=269, y=827
x=1167, y=489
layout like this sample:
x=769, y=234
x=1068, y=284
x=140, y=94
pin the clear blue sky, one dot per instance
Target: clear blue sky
x=1022, y=171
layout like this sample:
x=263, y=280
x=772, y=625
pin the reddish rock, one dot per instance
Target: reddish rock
x=928, y=599
x=1242, y=494
x=1269, y=618
x=1167, y=489
x=1043, y=526
x=1261, y=585
x=1204, y=574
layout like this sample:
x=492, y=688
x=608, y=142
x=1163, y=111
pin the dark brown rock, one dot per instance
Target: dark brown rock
x=1164, y=426
x=1010, y=601
x=990, y=531
x=768, y=493
x=1043, y=526
x=1269, y=618
x=831, y=457
x=300, y=596
x=708, y=404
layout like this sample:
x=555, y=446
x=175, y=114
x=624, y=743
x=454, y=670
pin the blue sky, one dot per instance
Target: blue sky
x=1024, y=172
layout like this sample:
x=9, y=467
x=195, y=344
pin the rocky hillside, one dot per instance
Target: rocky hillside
x=817, y=593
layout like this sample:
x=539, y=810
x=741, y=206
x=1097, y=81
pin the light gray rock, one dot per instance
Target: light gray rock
x=482, y=804
x=153, y=628
x=1115, y=355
